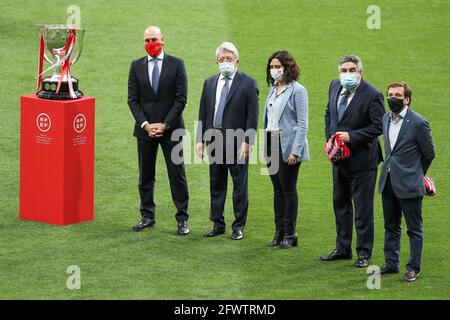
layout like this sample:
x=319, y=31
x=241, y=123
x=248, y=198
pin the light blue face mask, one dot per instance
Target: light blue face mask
x=227, y=68
x=349, y=80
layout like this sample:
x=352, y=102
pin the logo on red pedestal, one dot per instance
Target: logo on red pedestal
x=43, y=122
x=79, y=123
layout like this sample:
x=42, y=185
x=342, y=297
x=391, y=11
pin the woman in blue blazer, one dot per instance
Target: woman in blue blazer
x=286, y=144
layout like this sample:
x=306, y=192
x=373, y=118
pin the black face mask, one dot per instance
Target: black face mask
x=395, y=104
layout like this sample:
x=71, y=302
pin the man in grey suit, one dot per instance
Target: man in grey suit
x=409, y=153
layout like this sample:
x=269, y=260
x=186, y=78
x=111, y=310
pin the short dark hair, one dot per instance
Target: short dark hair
x=404, y=85
x=291, y=69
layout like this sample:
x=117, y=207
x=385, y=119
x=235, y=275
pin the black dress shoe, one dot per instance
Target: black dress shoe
x=335, y=255
x=385, y=269
x=237, y=235
x=362, y=262
x=144, y=223
x=183, y=228
x=410, y=276
x=289, y=241
x=214, y=232
x=277, y=239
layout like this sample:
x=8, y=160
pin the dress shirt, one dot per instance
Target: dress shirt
x=395, y=124
x=349, y=99
x=273, y=109
x=220, y=85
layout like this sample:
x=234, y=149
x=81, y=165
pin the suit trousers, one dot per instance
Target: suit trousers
x=218, y=178
x=147, y=152
x=284, y=182
x=412, y=211
x=358, y=188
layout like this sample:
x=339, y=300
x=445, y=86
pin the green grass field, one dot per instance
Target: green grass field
x=412, y=44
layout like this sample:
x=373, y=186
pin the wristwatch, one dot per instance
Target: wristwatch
x=165, y=124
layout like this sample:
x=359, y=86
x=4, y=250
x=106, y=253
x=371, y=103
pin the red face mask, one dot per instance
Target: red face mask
x=153, y=48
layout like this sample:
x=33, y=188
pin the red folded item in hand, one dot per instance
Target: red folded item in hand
x=336, y=149
x=430, y=187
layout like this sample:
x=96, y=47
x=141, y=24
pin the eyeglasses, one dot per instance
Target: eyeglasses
x=226, y=59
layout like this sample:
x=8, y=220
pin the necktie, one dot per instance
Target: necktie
x=221, y=106
x=155, y=75
x=343, y=104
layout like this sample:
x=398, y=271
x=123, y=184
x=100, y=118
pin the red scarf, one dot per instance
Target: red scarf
x=336, y=149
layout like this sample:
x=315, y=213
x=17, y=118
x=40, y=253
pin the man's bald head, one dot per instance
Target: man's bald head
x=153, y=33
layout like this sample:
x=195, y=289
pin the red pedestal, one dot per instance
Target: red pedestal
x=57, y=160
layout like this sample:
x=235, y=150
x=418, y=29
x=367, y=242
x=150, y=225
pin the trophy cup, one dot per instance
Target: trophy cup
x=60, y=45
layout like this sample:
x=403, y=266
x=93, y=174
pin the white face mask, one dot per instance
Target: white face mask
x=277, y=74
x=227, y=68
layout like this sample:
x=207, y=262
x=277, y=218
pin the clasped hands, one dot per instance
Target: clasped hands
x=155, y=130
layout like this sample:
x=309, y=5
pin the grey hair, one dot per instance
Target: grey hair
x=352, y=58
x=227, y=47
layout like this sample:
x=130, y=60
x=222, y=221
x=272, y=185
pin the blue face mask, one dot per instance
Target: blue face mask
x=349, y=80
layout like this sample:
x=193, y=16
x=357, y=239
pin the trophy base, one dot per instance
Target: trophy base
x=49, y=85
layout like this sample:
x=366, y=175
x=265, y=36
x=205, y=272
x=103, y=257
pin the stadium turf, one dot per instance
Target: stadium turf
x=116, y=263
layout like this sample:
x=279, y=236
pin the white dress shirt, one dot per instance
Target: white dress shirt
x=273, y=110
x=395, y=124
x=151, y=64
x=220, y=85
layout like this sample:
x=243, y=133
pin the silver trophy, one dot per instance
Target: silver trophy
x=60, y=45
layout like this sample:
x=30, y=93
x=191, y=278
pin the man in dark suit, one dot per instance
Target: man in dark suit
x=409, y=152
x=354, y=113
x=228, y=118
x=157, y=94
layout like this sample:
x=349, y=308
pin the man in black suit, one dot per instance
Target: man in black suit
x=354, y=113
x=228, y=118
x=409, y=152
x=157, y=94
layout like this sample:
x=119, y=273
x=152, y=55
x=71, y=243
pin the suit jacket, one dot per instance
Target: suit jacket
x=293, y=121
x=167, y=104
x=362, y=120
x=241, y=107
x=410, y=158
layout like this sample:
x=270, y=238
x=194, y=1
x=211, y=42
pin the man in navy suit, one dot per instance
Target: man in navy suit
x=157, y=94
x=228, y=118
x=409, y=153
x=354, y=112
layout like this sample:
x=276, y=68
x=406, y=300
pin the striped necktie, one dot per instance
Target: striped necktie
x=343, y=104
